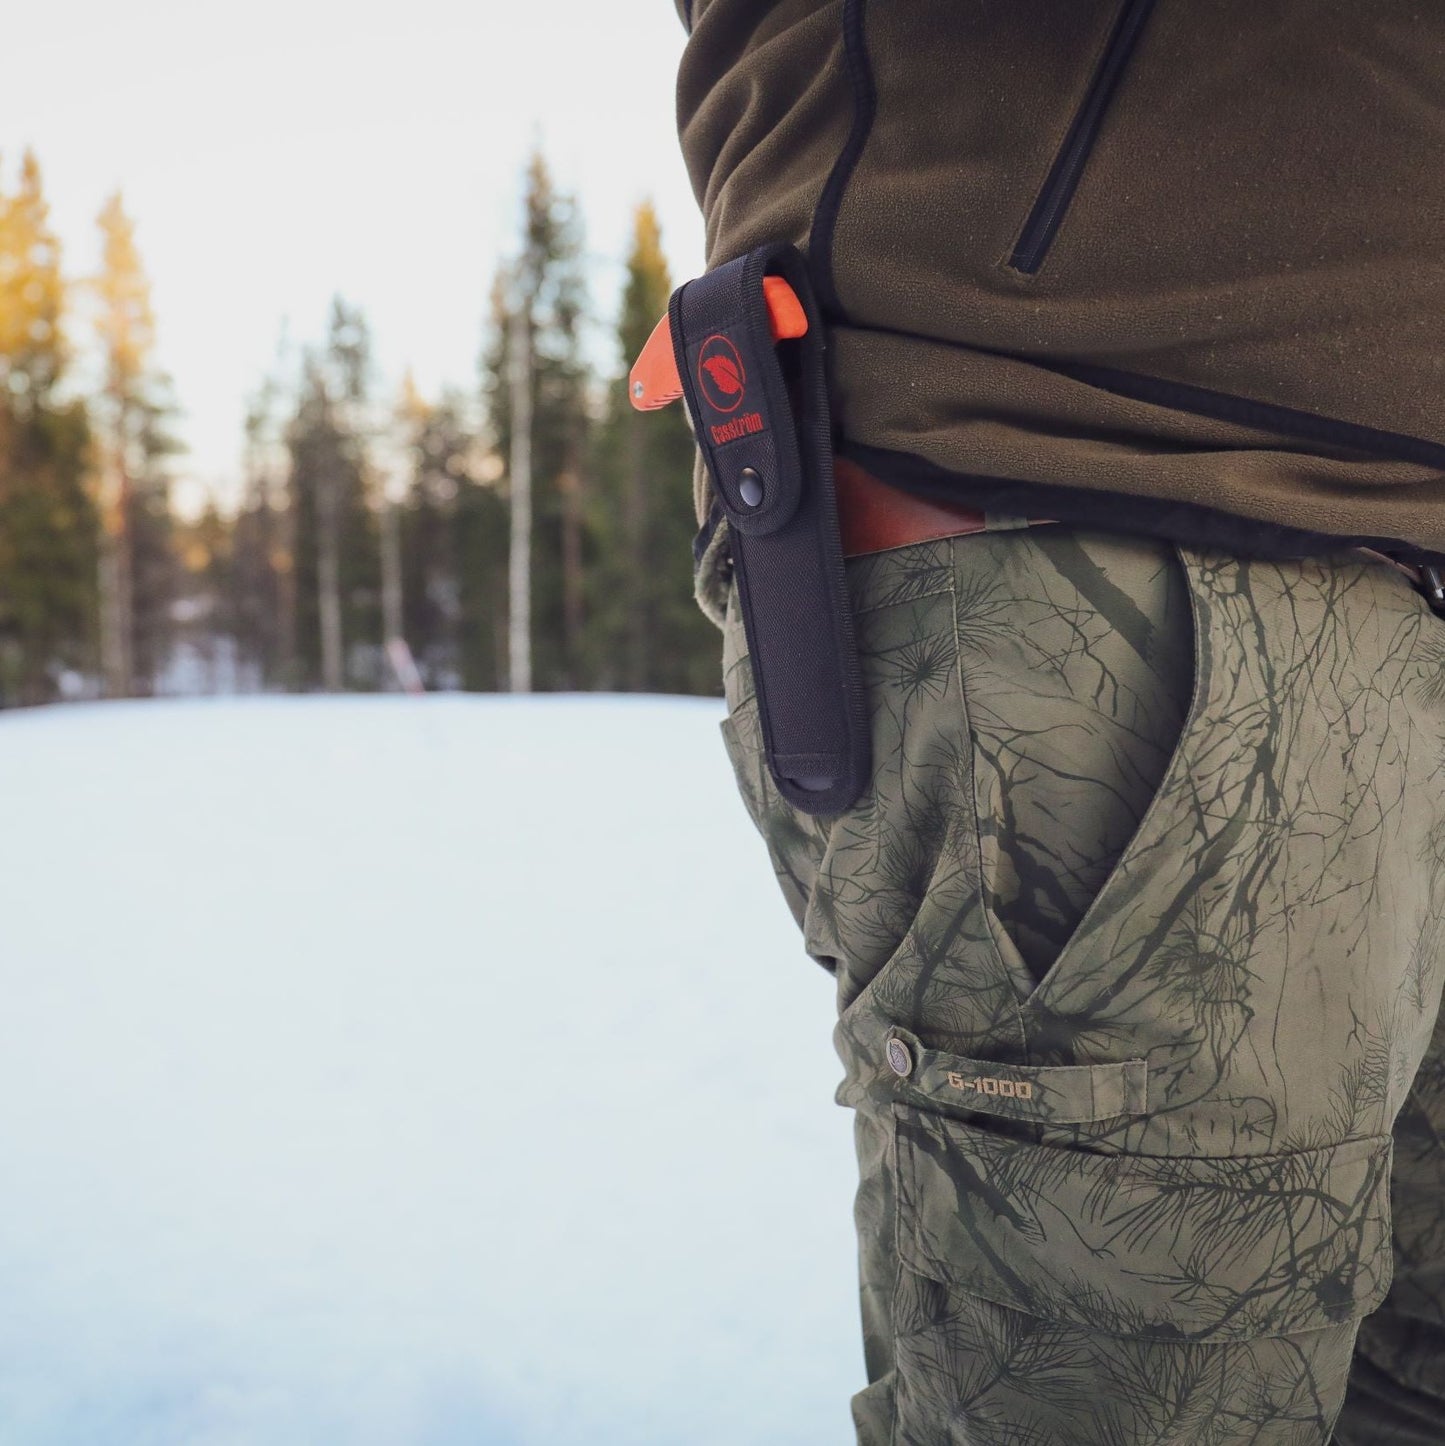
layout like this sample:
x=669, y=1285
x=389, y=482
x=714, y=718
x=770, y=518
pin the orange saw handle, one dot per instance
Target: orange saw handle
x=654, y=380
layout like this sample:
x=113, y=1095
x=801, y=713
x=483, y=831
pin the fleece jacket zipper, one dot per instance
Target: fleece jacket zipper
x=1063, y=178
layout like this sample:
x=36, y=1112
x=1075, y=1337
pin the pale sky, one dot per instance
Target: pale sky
x=276, y=152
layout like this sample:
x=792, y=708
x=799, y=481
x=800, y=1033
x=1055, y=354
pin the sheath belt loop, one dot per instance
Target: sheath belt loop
x=1425, y=577
x=760, y=413
x=1432, y=585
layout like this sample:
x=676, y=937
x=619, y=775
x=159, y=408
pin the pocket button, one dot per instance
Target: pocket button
x=900, y=1057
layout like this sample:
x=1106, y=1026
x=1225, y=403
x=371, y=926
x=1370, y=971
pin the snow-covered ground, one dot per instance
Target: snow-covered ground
x=388, y=1071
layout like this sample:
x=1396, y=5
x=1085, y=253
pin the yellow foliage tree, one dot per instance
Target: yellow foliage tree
x=649, y=635
x=32, y=291
x=47, y=517
x=125, y=323
x=125, y=328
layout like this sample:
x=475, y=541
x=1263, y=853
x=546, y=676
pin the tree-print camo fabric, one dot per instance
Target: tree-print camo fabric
x=1137, y=939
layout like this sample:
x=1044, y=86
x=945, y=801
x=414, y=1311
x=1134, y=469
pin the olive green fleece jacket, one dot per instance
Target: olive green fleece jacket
x=1172, y=266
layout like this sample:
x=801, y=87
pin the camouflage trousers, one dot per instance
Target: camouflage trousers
x=1137, y=936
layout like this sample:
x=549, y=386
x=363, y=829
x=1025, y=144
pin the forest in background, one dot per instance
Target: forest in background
x=529, y=532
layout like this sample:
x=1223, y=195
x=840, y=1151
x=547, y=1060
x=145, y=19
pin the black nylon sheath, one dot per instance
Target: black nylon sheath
x=762, y=408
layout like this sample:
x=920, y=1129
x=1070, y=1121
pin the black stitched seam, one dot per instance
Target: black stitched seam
x=865, y=105
x=1225, y=406
x=1312, y=426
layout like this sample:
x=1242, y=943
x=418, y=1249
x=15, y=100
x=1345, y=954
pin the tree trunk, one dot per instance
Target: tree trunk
x=328, y=582
x=519, y=572
x=283, y=561
x=570, y=484
x=115, y=576
x=393, y=631
x=637, y=586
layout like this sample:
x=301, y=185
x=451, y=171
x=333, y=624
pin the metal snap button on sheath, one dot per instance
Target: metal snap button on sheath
x=900, y=1057
x=750, y=486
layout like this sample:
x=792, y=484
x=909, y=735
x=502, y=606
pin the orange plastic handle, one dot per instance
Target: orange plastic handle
x=654, y=382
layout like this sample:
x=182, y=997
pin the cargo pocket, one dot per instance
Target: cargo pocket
x=1194, y=1249
x=1106, y=1267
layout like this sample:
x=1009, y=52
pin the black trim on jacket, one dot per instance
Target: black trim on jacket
x=865, y=106
x=1226, y=407
x=1138, y=516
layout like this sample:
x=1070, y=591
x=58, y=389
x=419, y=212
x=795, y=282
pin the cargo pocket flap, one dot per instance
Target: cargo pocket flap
x=1180, y=1249
x=1050, y=1094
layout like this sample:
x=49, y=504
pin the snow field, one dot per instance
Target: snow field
x=386, y=1072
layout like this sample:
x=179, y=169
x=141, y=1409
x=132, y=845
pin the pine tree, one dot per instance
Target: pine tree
x=137, y=578
x=206, y=550
x=265, y=561
x=481, y=542
x=150, y=527
x=48, y=525
x=542, y=291
x=337, y=563
x=257, y=606
x=444, y=469
x=646, y=629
